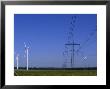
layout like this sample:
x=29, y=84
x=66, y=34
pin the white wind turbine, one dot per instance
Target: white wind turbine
x=17, y=60
x=27, y=54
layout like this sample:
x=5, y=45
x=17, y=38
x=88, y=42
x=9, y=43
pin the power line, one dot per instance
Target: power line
x=87, y=40
x=71, y=43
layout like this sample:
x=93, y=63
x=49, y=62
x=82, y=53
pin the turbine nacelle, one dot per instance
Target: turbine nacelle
x=26, y=47
x=17, y=56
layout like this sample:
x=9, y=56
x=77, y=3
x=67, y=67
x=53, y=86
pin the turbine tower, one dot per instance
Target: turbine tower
x=27, y=54
x=17, y=58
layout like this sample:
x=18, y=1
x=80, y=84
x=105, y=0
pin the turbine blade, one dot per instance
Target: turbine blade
x=24, y=44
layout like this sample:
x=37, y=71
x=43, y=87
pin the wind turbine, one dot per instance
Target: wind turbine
x=17, y=58
x=27, y=54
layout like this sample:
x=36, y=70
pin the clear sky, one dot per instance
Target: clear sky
x=46, y=35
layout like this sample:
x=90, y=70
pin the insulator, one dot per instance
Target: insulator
x=75, y=17
x=71, y=23
x=74, y=21
x=71, y=29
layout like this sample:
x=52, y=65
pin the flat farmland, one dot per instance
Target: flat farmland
x=55, y=72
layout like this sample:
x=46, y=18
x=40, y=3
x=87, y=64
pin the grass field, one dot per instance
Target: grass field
x=55, y=73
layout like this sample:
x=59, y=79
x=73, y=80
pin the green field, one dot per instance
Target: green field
x=55, y=73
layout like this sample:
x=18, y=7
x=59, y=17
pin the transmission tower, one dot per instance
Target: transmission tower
x=71, y=43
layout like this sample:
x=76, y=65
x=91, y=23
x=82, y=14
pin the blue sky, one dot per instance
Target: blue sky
x=46, y=35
